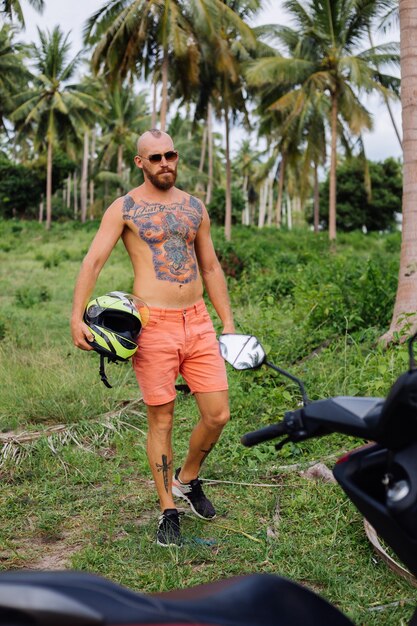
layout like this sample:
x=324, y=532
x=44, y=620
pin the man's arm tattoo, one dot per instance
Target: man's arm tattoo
x=164, y=468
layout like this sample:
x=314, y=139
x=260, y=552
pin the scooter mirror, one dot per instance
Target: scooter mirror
x=243, y=352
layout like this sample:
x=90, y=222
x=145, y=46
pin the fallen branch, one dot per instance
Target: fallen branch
x=17, y=445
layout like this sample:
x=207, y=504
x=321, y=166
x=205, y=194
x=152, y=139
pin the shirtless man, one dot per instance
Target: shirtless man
x=166, y=233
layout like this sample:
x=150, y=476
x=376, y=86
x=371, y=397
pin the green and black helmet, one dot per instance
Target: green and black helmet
x=116, y=320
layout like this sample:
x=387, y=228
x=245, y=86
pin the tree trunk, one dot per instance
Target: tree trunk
x=316, y=199
x=200, y=185
x=270, y=200
x=278, y=207
x=84, y=179
x=75, y=195
x=41, y=206
x=154, y=101
x=245, y=212
x=262, y=205
x=203, y=150
x=210, y=154
x=333, y=165
x=164, y=97
x=404, y=317
x=49, y=186
x=69, y=191
x=92, y=159
x=119, y=166
x=228, y=215
x=120, y=160
x=289, y=213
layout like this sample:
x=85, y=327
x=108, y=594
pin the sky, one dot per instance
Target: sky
x=71, y=15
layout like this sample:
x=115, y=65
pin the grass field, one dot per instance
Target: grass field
x=76, y=488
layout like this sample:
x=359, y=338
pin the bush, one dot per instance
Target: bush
x=217, y=206
x=20, y=190
x=28, y=297
x=355, y=207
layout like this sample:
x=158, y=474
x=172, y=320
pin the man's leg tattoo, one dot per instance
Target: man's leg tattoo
x=206, y=453
x=164, y=468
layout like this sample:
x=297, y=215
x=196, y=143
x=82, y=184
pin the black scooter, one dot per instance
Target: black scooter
x=380, y=479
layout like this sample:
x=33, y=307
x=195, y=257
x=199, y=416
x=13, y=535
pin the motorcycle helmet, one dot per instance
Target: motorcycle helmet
x=116, y=320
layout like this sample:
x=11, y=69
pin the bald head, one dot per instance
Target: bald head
x=151, y=140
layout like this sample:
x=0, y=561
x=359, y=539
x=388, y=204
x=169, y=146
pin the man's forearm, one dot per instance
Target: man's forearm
x=216, y=287
x=83, y=288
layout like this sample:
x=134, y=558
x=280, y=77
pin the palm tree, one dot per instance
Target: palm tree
x=126, y=117
x=323, y=58
x=12, y=8
x=246, y=164
x=221, y=83
x=404, y=316
x=54, y=110
x=13, y=74
x=137, y=37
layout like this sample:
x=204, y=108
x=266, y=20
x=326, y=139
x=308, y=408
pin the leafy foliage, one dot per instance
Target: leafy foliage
x=217, y=206
x=356, y=208
x=20, y=190
x=23, y=185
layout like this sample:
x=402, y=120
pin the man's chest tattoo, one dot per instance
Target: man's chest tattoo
x=169, y=230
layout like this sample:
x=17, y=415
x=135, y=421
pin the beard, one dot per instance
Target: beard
x=164, y=179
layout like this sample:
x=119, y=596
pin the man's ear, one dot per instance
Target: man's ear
x=138, y=161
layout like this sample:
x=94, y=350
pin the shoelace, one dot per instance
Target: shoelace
x=196, y=487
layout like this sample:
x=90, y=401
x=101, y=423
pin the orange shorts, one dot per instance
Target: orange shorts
x=178, y=341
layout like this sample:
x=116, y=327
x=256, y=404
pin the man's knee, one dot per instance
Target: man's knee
x=217, y=418
x=160, y=419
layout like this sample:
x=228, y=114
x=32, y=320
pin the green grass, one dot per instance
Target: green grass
x=83, y=497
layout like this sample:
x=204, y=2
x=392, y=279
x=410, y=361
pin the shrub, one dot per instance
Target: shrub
x=28, y=297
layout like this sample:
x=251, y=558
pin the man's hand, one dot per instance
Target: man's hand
x=81, y=334
x=228, y=329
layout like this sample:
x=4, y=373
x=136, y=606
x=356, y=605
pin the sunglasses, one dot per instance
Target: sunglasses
x=169, y=156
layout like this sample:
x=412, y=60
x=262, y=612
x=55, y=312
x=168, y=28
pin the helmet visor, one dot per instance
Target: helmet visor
x=141, y=307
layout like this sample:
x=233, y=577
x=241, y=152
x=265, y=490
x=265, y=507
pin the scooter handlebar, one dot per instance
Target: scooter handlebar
x=264, y=434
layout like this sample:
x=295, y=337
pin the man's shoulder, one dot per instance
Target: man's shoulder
x=194, y=202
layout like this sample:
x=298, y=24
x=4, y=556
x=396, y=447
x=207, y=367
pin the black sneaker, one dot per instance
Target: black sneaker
x=169, y=529
x=193, y=493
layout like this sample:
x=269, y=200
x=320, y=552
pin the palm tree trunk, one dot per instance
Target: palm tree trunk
x=333, y=165
x=69, y=191
x=164, y=97
x=404, y=316
x=262, y=205
x=228, y=215
x=84, y=179
x=316, y=213
x=154, y=101
x=210, y=154
x=92, y=158
x=245, y=212
x=120, y=160
x=49, y=186
x=41, y=206
x=200, y=185
x=75, y=195
x=289, y=212
x=278, y=207
x=203, y=150
x=270, y=201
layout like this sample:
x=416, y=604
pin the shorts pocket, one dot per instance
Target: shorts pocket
x=152, y=323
